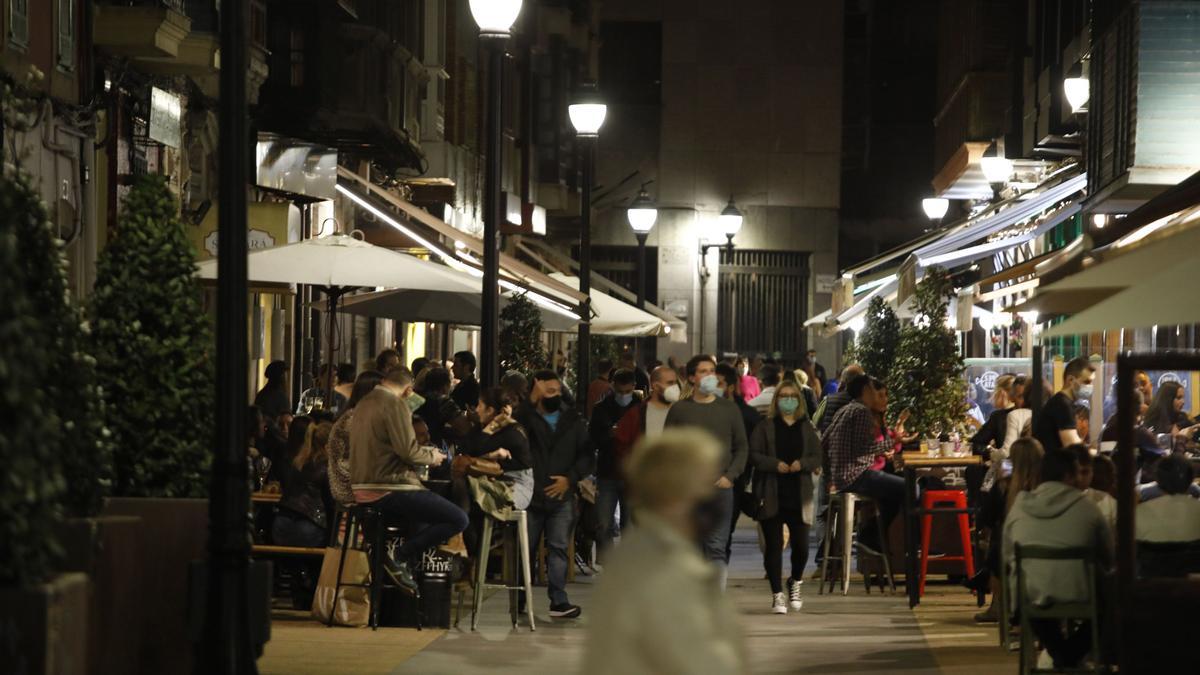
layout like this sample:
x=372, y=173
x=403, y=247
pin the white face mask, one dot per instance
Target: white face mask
x=1084, y=392
x=671, y=393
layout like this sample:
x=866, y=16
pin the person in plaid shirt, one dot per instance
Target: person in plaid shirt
x=854, y=443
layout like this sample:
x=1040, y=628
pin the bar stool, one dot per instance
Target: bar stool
x=367, y=521
x=840, y=521
x=946, y=502
x=520, y=520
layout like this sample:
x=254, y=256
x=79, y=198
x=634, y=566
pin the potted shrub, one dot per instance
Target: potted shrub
x=875, y=346
x=521, y=336
x=152, y=342
x=41, y=614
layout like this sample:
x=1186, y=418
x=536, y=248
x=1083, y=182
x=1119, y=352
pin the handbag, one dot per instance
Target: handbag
x=750, y=497
x=351, y=606
x=465, y=465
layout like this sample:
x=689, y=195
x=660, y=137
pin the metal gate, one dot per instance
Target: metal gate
x=762, y=302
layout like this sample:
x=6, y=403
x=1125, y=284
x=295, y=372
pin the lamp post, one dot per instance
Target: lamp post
x=587, y=116
x=495, y=19
x=641, y=214
x=729, y=223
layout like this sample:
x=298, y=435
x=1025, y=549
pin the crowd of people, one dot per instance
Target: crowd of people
x=773, y=443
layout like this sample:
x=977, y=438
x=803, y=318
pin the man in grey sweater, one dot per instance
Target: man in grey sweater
x=721, y=418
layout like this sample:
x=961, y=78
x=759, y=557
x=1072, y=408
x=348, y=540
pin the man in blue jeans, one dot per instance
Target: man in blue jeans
x=610, y=488
x=853, y=441
x=562, y=456
x=384, y=456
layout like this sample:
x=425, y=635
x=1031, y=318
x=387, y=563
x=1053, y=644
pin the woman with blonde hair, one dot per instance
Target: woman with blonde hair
x=659, y=605
x=303, y=517
x=785, y=452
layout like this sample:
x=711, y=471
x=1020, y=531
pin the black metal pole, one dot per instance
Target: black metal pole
x=584, y=344
x=641, y=291
x=493, y=216
x=226, y=647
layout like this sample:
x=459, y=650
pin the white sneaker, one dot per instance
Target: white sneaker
x=778, y=604
x=794, y=599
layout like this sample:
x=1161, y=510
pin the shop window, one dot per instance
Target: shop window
x=296, y=59
x=18, y=22
x=66, y=34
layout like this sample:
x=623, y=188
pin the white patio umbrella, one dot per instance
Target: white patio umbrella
x=1164, y=298
x=340, y=264
x=464, y=309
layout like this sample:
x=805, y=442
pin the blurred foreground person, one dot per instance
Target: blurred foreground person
x=659, y=605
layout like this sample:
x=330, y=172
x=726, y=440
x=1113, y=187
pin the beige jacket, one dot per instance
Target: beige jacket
x=383, y=446
x=659, y=610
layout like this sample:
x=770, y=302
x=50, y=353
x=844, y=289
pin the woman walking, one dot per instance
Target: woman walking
x=785, y=452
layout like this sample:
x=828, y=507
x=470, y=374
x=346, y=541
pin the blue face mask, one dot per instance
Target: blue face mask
x=623, y=400
x=552, y=418
x=789, y=406
x=709, y=385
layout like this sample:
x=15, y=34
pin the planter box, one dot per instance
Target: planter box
x=107, y=549
x=42, y=629
x=174, y=532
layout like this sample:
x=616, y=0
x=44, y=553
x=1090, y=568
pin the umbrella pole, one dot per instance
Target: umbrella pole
x=334, y=294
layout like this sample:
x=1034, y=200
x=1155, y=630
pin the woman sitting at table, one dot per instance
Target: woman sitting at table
x=303, y=517
x=1018, y=473
x=994, y=429
x=1165, y=415
x=500, y=438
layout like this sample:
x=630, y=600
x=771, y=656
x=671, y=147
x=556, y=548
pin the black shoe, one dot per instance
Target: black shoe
x=565, y=611
x=980, y=583
x=401, y=576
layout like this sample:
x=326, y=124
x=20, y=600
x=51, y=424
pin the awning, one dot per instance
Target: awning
x=1028, y=275
x=463, y=252
x=1121, y=266
x=1027, y=206
x=461, y=308
x=970, y=254
x=1167, y=298
x=611, y=316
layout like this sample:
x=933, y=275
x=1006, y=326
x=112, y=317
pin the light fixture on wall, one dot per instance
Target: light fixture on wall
x=1077, y=87
x=997, y=168
x=935, y=208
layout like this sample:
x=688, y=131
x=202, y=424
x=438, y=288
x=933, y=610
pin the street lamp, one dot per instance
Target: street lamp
x=729, y=223
x=935, y=208
x=641, y=214
x=495, y=19
x=587, y=116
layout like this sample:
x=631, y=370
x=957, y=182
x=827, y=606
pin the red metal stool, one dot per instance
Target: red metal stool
x=954, y=500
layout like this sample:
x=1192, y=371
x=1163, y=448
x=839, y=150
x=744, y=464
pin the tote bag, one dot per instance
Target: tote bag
x=352, y=606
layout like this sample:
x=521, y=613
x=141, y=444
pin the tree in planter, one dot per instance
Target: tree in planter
x=152, y=345
x=31, y=433
x=926, y=377
x=875, y=346
x=521, y=336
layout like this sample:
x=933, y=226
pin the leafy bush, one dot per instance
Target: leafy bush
x=153, y=350
x=926, y=377
x=31, y=434
x=521, y=336
x=875, y=346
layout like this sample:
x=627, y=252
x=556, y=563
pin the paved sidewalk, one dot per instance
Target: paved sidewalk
x=858, y=633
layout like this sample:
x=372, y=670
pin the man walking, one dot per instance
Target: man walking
x=720, y=418
x=562, y=456
x=384, y=456
x=610, y=491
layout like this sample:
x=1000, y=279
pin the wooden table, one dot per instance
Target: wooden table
x=913, y=513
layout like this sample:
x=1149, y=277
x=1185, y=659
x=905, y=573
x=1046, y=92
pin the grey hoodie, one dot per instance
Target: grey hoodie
x=1055, y=515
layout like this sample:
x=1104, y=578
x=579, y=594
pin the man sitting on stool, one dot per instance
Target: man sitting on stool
x=384, y=456
x=852, y=442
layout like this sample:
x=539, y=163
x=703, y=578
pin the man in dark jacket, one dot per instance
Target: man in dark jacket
x=437, y=389
x=562, y=456
x=610, y=490
x=835, y=402
x=730, y=381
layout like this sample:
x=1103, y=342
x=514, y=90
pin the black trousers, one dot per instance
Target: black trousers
x=1067, y=644
x=773, y=546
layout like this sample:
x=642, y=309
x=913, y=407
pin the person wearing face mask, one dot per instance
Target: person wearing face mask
x=785, y=452
x=720, y=417
x=750, y=384
x=1055, y=427
x=384, y=456
x=562, y=456
x=610, y=490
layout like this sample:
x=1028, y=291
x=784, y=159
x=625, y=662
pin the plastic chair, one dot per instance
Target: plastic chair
x=840, y=521
x=1088, y=610
x=956, y=499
